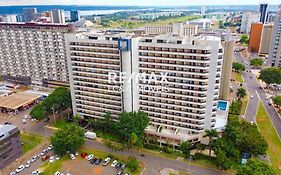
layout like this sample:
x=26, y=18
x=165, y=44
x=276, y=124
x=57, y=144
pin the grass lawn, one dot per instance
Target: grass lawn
x=238, y=77
x=51, y=168
x=60, y=123
x=270, y=135
x=30, y=141
x=244, y=104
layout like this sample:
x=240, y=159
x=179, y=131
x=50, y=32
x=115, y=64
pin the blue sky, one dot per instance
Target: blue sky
x=136, y=2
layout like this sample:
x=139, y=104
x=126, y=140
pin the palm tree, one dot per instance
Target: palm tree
x=211, y=134
x=241, y=93
x=90, y=122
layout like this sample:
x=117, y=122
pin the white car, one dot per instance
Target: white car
x=25, y=117
x=24, y=121
x=37, y=172
x=251, y=96
x=20, y=168
x=34, y=158
x=106, y=161
x=12, y=173
x=72, y=157
x=114, y=163
x=57, y=173
x=90, y=157
x=51, y=160
x=27, y=165
x=76, y=153
x=57, y=157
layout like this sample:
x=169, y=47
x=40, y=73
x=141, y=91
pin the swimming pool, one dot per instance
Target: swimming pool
x=222, y=105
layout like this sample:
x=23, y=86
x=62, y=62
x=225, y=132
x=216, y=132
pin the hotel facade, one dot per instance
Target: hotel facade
x=175, y=80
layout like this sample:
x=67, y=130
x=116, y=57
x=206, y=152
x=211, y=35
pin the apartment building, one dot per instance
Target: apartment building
x=175, y=29
x=255, y=37
x=10, y=145
x=266, y=39
x=247, y=19
x=180, y=108
x=58, y=16
x=33, y=53
x=275, y=46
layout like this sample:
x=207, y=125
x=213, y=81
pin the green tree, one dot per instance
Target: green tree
x=244, y=39
x=90, y=121
x=133, y=140
x=221, y=24
x=132, y=122
x=222, y=161
x=238, y=67
x=270, y=75
x=185, y=149
x=256, y=167
x=277, y=100
x=38, y=112
x=200, y=147
x=241, y=93
x=132, y=163
x=256, y=62
x=211, y=134
x=69, y=138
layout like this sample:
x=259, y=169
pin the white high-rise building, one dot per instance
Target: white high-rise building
x=9, y=18
x=175, y=80
x=58, y=16
x=33, y=53
x=28, y=14
x=203, y=10
x=275, y=46
x=247, y=19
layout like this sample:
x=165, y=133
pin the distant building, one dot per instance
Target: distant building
x=10, y=144
x=247, y=19
x=49, y=15
x=201, y=23
x=97, y=19
x=263, y=12
x=153, y=16
x=179, y=29
x=9, y=18
x=83, y=23
x=203, y=10
x=20, y=18
x=38, y=15
x=266, y=38
x=275, y=46
x=74, y=15
x=58, y=16
x=255, y=37
x=28, y=14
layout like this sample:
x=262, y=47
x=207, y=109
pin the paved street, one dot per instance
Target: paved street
x=153, y=164
x=252, y=85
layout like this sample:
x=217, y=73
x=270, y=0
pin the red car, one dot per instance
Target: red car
x=84, y=155
x=46, y=157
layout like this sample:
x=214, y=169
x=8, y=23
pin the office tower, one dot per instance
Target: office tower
x=20, y=18
x=74, y=15
x=263, y=12
x=228, y=56
x=10, y=144
x=255, y=37
x=203, y=10
x=247, y=19
x=182, y=98
x=32, y=53
x=275, y=46
x=58, y=16
x=175, y=28
x=28, y=14
x=49, y=15
x=266, y=38
x=9, y=18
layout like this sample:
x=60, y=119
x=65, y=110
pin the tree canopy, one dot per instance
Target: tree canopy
x=238, y=67
x=241, y=93
x=256, y=62
x=256, y=167
x=271, y=75
x=185, y=149
x=244, y=39
x=60, y=99
x=69, y=138
x=277, y=100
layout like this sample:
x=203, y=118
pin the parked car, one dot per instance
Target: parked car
x=12, y=173
x=106, y=161
x=51, y=160
x=72, y=157
x=123, y=166
x=57, y=157
x=251, y=96
x=27, y=165
x=84, y=155
x=24, y=121
x=89, y=157
x=46, y=157
x=93, y=160
x=46, y=119
x=98, y=161
x=114, y=163
x=57, y=173
x=50, y=147
x=120, y=172
x=7, y=123
x=127, y=174
x=34, y=158
x=76, y=153
x=20, y=168
x=37, y=172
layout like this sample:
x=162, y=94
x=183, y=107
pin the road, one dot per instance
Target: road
x=154, y=164
x=253, y=87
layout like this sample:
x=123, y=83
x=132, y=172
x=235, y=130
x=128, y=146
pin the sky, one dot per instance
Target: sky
x=137, y=2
